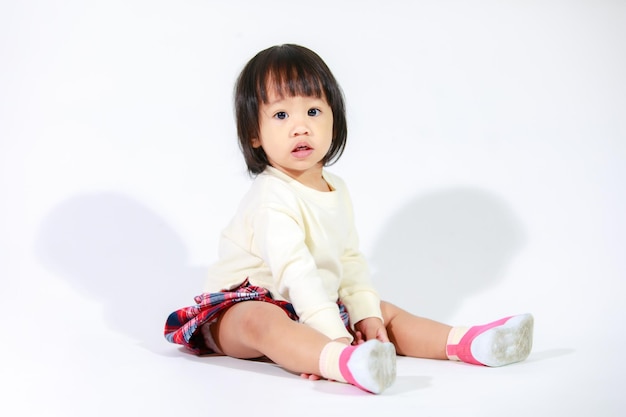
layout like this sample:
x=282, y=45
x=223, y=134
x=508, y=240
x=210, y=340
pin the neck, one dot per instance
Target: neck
x=312, y=178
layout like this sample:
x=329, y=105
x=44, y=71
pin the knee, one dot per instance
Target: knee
x=256, y=319
x=390, y=311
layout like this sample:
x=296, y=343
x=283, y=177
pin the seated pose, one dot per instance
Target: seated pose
x=290, y=283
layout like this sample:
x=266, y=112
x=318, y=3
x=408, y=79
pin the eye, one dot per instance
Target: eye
x=281, y=115
x=314, y=112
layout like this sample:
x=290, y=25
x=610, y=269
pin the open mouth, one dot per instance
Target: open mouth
x=301, y=147
x=302, y=150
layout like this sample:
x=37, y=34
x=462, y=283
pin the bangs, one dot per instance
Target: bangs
x=287, y=75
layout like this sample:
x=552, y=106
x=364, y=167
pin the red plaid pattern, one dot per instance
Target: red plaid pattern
x=182, y=325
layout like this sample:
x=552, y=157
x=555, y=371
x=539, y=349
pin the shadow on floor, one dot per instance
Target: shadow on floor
x=120, y=253
x=444, y=246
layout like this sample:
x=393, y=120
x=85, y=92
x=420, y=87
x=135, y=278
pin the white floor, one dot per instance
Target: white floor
x=70, y=355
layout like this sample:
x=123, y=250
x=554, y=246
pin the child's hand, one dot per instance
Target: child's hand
x=358, y=338
x=311, y=377
x=370, y=328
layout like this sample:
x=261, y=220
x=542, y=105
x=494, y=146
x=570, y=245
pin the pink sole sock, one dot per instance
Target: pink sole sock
x=370, y=366
x=498, y=343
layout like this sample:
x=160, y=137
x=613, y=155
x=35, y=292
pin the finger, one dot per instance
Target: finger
x=381, y=335
x=310, y=377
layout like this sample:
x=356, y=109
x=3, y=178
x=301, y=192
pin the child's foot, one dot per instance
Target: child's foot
x=499, y=343
x=370, y=366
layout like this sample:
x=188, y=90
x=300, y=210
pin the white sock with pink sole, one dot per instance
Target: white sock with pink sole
x=370, y=366
x=498, y=343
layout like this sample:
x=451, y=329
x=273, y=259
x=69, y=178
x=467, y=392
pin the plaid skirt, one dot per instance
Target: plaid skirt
x=183, y=324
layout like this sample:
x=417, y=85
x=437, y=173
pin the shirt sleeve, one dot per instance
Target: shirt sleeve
x=279, y=236
x=356, y=290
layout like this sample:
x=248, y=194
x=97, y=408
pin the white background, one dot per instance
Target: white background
x=486, y=160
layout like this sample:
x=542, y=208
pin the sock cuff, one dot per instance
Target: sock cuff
x=454, y=337
x=456, y=334
x=329, y=361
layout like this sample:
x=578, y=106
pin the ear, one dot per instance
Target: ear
x=256, y=142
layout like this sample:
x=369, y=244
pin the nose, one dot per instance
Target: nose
x=300, y=126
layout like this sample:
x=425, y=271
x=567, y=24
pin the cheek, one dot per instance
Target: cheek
x=330, y=128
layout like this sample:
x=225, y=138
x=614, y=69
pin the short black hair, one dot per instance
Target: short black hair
x=293, y=70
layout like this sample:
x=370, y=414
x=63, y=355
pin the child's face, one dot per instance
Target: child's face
x=295, y=133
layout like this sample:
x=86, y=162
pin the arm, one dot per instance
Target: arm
x=357, y=291
x=362, y=301
x=279, y=238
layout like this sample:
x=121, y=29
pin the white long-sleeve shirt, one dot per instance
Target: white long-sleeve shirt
x=301, y=245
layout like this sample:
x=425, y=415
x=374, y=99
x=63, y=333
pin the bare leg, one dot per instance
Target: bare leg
x=253, y=329
x=415, y=336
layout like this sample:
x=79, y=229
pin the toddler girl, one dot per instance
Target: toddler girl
x=290, y=283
